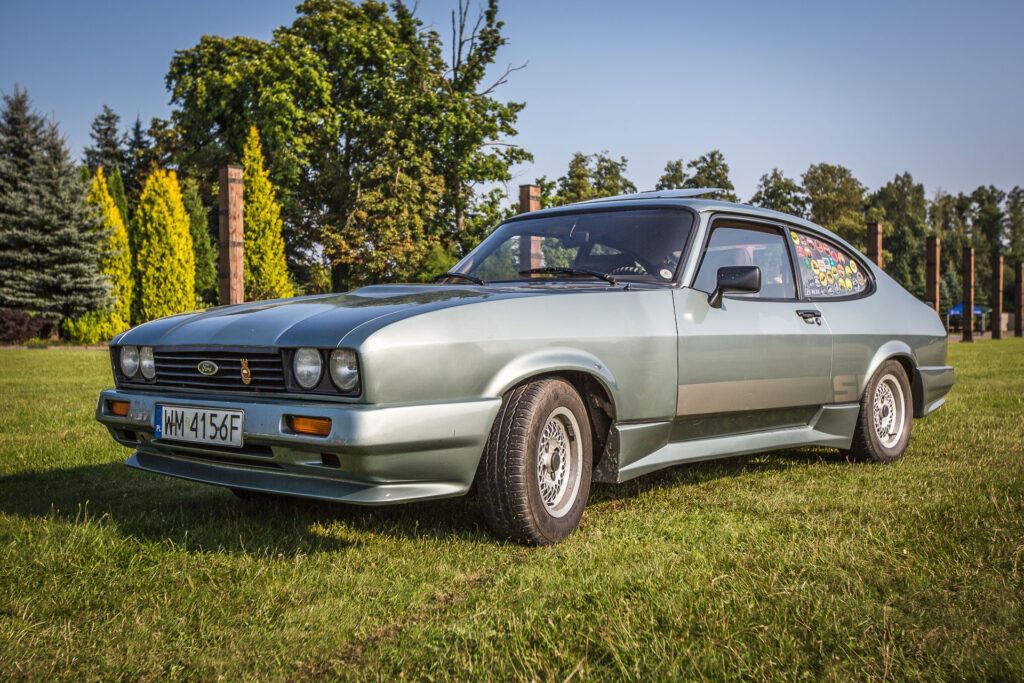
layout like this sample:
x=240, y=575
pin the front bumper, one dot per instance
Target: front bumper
x=373, y=455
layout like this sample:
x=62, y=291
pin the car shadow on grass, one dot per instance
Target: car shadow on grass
x=200, y=518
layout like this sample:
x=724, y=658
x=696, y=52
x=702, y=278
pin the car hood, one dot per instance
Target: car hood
x=321, y=320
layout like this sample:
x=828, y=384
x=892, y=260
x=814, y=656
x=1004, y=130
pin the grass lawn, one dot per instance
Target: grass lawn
x=786, y=565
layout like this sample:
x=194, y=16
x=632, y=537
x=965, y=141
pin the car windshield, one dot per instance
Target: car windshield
x=634, y=245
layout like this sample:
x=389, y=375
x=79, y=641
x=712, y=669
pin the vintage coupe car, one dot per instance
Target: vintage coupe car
x=592, y=342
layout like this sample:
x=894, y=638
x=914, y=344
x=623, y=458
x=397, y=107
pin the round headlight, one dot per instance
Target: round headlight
x=345, y=369
x=307, y=366
x=146, y=363
x=129, y=360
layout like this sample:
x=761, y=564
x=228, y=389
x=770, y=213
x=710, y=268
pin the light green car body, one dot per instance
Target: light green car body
x=667, y=378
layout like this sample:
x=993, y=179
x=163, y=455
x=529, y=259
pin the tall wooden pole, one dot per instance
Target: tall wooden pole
x=529, y=247
x=231, y=244
x=1018, y=300
x=934, y=278
x=997, y=296
x=875, y=243
x=967, y=314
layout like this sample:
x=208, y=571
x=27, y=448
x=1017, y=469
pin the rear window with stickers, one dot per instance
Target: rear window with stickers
x=825, y=270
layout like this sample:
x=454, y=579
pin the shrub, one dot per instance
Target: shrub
x=17, y=327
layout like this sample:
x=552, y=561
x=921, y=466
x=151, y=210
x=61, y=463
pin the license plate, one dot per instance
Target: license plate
x=199, y=425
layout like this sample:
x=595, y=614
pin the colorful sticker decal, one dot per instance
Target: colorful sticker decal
x=853, y=265
x=815, y=267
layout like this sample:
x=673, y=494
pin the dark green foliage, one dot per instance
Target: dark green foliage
x=778, y=192
x=592, y=176
x=137, y=165
x=905, y=209
x=835, y=200
x=108, y=143
x=711, y=170
x=334, y=96
x=115, y=185
x=674, y=177
x=49, y=245
x=1015, y=225
x=202, y=245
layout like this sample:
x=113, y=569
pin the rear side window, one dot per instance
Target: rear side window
x=827, y=271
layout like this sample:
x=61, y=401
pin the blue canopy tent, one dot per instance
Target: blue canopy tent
x=959, y=310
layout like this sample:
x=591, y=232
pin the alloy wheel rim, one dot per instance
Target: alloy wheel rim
x=559, y=462
x=889, y=409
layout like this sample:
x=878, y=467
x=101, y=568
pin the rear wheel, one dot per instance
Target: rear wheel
x=886, y=415
x=534, y=477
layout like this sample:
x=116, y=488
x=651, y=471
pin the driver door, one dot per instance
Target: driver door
x=763, y=360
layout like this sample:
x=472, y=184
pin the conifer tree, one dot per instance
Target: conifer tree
x=115, y=185
x=202, y=247
x=266, y=272
x=164, y=262
x=137, y=165
x=115, y=264
x=108, y=148
x=49, y=244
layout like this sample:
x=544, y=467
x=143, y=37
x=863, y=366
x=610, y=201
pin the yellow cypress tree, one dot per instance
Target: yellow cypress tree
x=266, y=271
x=115, y=264
x=164, y=262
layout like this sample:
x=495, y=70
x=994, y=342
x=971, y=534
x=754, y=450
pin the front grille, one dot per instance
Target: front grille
x=177, y=367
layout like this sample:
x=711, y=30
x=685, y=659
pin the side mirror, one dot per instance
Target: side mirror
x=738, y=279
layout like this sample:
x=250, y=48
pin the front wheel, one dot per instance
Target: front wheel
x=534, y=476
x=886, y=415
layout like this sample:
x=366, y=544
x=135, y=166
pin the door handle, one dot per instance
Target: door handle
x=809, y=315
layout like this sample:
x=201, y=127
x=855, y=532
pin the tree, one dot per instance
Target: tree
x=116, y=187
x=711, y=170
x=115, y=265
x=836, y=201
x=108, y=148
x=949, y=218
x=906, y=210
x=164, y=261
x=777, y=192
x=137, y=165
x=674, y=177
x=591, y=176
x=1015, y=224
x=987, y=231
x=202, y=246
x=266, y=273
x=471, y=121
x=49, y=241
x=331, y=95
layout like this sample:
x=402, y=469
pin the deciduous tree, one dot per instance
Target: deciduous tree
x=710, y=170
x=836, y=201
x=593, y=175
x=906, y=210
x=778, y=192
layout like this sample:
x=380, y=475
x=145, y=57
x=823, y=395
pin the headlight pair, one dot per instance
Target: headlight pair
x=308, y=367
x=134, y=360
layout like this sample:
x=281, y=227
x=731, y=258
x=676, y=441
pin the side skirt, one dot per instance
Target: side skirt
x=832, y=426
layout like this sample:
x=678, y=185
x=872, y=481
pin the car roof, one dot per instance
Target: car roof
x=691, y=198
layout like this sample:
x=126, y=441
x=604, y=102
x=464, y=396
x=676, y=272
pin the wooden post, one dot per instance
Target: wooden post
x=997, y=296
x=967, y=314
x=875, y=243
x=1018, y=300
x=231, y=256
x=934, y=276
x=529, y=247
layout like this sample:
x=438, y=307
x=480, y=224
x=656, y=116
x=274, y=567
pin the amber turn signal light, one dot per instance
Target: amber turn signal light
x=310, y=426
x=119, y=408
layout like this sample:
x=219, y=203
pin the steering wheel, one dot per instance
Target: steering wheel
x=635, y=269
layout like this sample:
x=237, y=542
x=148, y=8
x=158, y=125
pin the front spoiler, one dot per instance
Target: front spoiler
x=373, y=455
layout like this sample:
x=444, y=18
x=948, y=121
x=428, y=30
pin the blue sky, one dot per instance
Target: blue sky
x=936, y=88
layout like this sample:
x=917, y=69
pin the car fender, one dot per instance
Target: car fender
x=548, y=361
x=891, y=349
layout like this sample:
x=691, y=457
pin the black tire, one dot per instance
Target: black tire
x=867, y=440
x=507, y=479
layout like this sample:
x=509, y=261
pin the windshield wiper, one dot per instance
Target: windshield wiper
x=553, y=270
x=475, y=280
